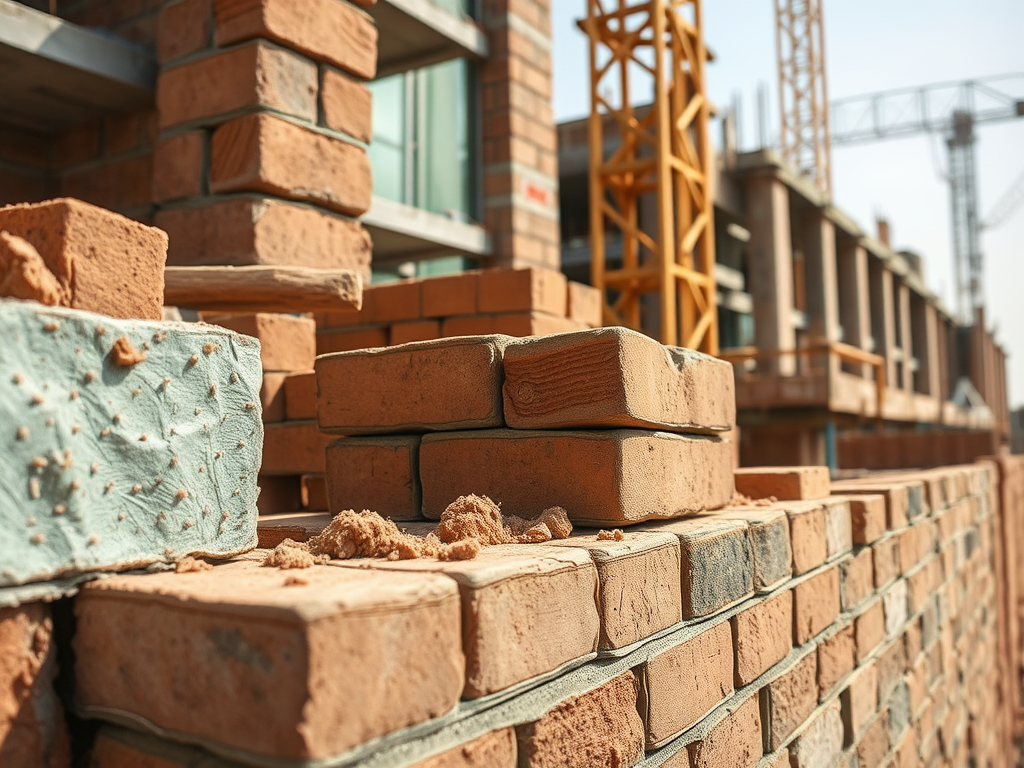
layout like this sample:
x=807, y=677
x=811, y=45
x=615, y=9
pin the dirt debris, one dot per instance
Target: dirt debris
x=740, y=500
x=615, y=534
x=190, y=564
x=124, y=354
x=468, y=524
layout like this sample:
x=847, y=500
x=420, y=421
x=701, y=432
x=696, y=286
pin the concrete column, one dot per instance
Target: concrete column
x=906, y=336
x=822, y=289
x=770, y=265
x=942, y=330
x=929, y=366
x=883, y=318
x=520, y=144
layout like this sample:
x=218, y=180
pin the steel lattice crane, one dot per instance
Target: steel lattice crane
x=951, y=110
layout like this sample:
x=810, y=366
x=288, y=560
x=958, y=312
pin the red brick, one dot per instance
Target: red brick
x=599, y=477
x=874, y=745
x=532, y=324
x=886, y=557
x=784, y=483
x=615, y=377
x=856, y=579
x=278, y=494
x=600, y=727
x=522, y=290
x=120, y=184
x=120, y=748
x=254, y=75
x=122, y=132
x=400, y=300
x=32, y=729
x=496, y=749
x=77, y=145
x=450, y=295
x=896, y=495
x=272, y=397
x=351, y=341
x=584, y=304
x=326, y=30
x=287, y=342
x=762, y=635
x=790, y=699
x=347, y=105
x=468, y=325
x=178, y=167
x=300, y=396
x=270, y=232
x=682, y=684
x=868, y=517
x=183, y=28
x=807, y=530
x=859, y=701
x=734, y=741
x=375, y=473
x=835, y=659
x=444, y=384
x=104, y=262
x=262, y=153
x=165, y=647
x=821, y=741
x=815, y=605
x=414, y=330
x=314, y=492
x=294, y=448
x=869, y=630
x=25, y=148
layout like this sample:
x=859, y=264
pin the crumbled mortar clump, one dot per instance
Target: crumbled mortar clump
x=740, y=500
x=615, y=534
x=469, y=523
x=189, y=564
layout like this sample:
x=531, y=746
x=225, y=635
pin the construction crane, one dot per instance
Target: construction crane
x=951, y=110
x=663, y=150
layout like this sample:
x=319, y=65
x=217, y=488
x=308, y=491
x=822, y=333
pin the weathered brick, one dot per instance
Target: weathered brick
x=496, y=749
x=263, y=153
x=868, y=517
x=860, y=702
x=820, y=743
x=869, y=629
x=874, y=744
x=526, y=610
x=444, y=384
x=600, y=727
x=895, y=601
x=769, y=541
x=836, y=658
x=838, y=531
x=886, y=557
x=272, y=397
x=272, y=232
x=717, y=566
x=32, y=729
x=183, y=28
x=790, y=699
x=376, y=473
x=102, y=261
x=784, y=483
x=178, y=167
x=253, y=75
x=896, y=497
x=815, y=604
x=414, y=330
x=287, y=342
x=807, y=534
x=347, y=105
x=856, y=579
x=734, y=741
x=300, y=395
x=584, y=304
x=898, y=709
x=762, y=636
x=522, y=290
x=600, y=477
x=639, y=589
x=450, y=295
x=325, y=30
x=615, y=377
x=891, y=663
x=121, y=748
x=294, y=448
x=165, y=647
x=679, y=686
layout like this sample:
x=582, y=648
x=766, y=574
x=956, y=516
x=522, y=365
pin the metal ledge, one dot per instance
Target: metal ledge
x=404, y=233
x=417, y=33
x=57, y=74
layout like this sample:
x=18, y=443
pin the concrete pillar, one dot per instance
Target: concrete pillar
x=520, y=144
x=942, y=328
x=855, y=297
x=822, y=289
x=883, y=318
x=929, y=357
x=770, y=265
x=906, y=336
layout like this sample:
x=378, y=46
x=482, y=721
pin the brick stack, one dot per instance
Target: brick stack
x=263, y=115
x=514, y=302
x=606, y=423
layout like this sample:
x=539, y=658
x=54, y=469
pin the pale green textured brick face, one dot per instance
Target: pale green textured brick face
x=108, y=467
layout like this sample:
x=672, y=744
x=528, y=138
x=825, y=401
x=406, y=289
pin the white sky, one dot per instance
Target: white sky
x=875, y=45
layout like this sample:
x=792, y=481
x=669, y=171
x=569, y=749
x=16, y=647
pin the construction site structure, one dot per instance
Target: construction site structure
x=664, y=150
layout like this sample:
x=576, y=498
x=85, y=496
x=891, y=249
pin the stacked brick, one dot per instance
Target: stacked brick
x=263, y=117
x=606, y=423
x=514, y=302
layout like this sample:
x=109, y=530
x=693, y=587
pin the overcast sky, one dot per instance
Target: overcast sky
x=875, y=45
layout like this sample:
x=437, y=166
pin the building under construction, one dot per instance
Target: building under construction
x=354, y=413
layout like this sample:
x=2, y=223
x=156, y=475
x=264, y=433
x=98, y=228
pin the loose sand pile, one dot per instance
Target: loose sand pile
x=740, y=500
x=469, y=523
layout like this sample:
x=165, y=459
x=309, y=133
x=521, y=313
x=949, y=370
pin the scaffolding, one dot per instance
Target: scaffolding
x=664, y=154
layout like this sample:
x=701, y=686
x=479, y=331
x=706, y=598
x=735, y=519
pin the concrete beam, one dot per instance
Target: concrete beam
x=404, y=233
x=417, y=33
x=57, y=74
